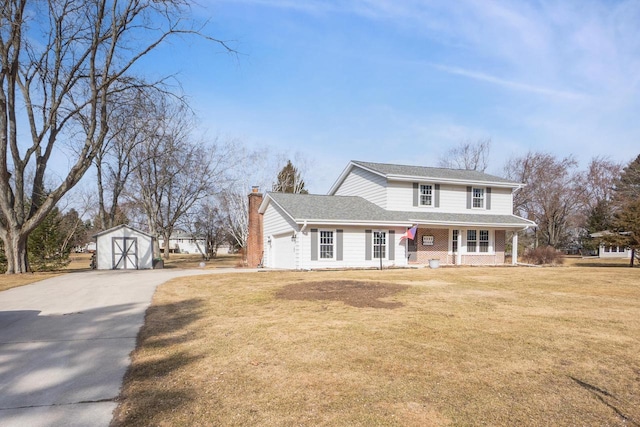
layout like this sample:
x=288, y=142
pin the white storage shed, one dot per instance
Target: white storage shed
x=124, y=248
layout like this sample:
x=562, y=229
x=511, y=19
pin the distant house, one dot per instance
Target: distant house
x=609, y=251
x=124, y=248
x=460, y=217
x=182, y=242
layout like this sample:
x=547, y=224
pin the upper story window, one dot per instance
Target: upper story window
x=379, y=244
x=326, y=244
x=478, y=198
x=426, y=195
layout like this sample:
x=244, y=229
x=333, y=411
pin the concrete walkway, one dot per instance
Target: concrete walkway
x=65, y=344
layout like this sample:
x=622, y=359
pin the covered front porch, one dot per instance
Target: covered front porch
x=460, y=245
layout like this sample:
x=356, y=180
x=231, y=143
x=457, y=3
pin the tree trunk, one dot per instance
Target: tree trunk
x=16, y=252
x=633, y=256
x=166, y=237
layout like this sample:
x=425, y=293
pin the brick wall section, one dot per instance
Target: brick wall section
x=440, y=247
x=255, y=244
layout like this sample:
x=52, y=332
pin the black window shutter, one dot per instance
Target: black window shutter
x=469, y=191
x=367, y=244
x=392, y=245
x=415, y=194
x=338, y=245
x=436, y=196
x=487, y=202
x=314, y=244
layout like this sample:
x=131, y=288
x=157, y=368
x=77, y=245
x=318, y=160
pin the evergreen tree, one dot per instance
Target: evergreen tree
x=600, y=219
x=290, y=180
x=46, y=244
x=628, y=186
x=626, y=221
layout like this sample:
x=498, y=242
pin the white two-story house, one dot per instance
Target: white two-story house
x=460, y=217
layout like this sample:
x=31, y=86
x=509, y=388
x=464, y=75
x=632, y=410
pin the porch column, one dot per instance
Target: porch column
x=458, y=253
x=514, y=248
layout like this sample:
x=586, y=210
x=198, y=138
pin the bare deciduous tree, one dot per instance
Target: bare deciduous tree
x=468, y=155
x=61, y=63
x=130, y=117
x=253, y=168
x=173, y=172
x=551, y=196
x=208, y=221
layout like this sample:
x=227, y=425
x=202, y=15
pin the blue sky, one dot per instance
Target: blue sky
x=404, y=81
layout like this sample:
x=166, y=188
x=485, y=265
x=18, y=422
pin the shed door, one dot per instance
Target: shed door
x=125, y=253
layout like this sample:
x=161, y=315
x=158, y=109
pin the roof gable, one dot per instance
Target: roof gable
x=117, y=227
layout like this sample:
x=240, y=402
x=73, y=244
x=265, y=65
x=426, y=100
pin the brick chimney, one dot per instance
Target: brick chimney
x=255, y=245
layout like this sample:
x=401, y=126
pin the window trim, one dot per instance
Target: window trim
x=483, y=199
x=374, y=245
x=432, y=195
x=491, y=248
x=333, y=244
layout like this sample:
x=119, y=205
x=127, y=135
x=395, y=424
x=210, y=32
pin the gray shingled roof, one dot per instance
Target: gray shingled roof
x=312, y=207
x=333, y=208
x=464, y=218
x=433, y=173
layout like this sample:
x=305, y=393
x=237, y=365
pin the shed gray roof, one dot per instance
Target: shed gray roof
x=432, y=173
x=354, y=209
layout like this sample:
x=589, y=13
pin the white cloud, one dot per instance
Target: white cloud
x=511, y=84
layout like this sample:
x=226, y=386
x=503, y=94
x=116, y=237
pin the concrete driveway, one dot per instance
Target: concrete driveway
x=65, y=344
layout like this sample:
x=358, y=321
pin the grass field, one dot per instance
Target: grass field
x=453, y=346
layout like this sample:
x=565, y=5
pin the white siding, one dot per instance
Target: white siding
x=400, y=197
x=453, y=198
x=184, y=245
x=353, y=249
x=365, y=184
x=501, y=201
x=275, y=221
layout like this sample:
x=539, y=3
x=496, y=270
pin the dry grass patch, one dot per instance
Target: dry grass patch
x=353, y=293
x=465, y=346
x=194, y=260
x=77, y=262
x=15, y=280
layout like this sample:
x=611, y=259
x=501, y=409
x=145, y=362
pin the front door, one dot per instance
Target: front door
x=125, y=253
x=412, y=249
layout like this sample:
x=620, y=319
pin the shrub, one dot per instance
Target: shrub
x=543, y=255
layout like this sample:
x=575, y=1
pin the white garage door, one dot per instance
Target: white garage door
x=283, y=252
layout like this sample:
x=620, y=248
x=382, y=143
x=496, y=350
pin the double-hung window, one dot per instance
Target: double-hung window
x=478, y=198
x=426, y=195
x=326, y=244
x=472, y=240
x=478, y=241
x=379, y=244
x=484, y=240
